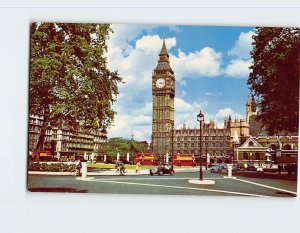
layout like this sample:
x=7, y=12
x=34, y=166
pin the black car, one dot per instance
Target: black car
x=251, y=167
x=238, y=167
x=161, y=170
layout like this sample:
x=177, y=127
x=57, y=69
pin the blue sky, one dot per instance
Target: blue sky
x=210, y=65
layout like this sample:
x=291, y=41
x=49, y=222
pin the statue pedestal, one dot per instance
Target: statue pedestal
x=204, y=182
x=229, y=175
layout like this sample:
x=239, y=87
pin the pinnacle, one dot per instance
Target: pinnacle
x=164, y=50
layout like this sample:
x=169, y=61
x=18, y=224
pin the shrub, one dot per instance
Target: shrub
x=53, y=167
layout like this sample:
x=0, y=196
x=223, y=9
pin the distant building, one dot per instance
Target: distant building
x=268, y=150
x=215, y=142
x=256, y=146
x=62, y=141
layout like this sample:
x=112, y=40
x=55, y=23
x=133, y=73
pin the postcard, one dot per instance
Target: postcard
x=163, y=109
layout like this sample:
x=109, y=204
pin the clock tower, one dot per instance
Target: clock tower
x=163, y=92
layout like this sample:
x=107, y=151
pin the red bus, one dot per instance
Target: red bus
x=41, y=153
x=145, y=158
x=184, y=160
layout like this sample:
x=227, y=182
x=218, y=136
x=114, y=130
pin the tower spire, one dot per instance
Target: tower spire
x=248, y=101
x=164, y=50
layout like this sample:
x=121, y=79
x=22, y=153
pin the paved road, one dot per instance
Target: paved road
x=170, y=185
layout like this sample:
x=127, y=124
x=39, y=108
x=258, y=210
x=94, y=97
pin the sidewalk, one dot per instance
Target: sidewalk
x=111, y=172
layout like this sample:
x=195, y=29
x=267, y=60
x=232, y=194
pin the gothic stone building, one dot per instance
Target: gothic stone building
x=216, y=143
x=163, y=92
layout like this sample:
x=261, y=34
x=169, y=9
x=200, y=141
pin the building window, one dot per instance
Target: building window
x=257, y=156
x=250, y=143
x=245, y=156
x=287, y=147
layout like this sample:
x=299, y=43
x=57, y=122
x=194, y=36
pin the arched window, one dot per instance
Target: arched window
x=251, y=143
x=245, y=156
x=287, y=147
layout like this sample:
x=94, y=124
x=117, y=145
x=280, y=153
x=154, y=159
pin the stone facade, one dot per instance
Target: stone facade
x=216, y=143
x=268, y=150
x=62, y=141
x=163, y=92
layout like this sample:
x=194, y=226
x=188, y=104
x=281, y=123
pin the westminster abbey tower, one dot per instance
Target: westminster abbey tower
x=163, y=92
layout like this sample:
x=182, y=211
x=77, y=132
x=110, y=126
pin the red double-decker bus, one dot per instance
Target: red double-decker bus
x=184, y=160
x=145, y=158
x=46, y=154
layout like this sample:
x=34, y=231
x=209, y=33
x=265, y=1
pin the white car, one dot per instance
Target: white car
x=259, y=169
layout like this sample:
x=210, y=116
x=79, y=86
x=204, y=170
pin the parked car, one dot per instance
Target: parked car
x=251, y=167
x=216, y=168
x=224, y=166
x=240, y=167
x=162, y=170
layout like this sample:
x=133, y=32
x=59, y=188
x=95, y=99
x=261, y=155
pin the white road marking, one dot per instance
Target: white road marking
x=266, y=186
x=180, y=187
x=158, y=178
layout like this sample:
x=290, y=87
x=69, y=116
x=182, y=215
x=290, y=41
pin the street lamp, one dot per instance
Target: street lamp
x=200, y=118
x=172, y=145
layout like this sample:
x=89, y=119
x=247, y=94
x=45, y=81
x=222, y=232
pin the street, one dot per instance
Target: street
x=168, y=185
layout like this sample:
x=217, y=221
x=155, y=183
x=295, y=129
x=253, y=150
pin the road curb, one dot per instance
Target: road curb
x=104, y=173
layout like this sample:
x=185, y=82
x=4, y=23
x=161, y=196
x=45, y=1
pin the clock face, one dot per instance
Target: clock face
x=160, y=83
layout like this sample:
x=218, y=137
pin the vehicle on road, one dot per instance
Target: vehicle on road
x=216, y=168
x=239, y=167
x=162, y=170
x=224, y=166
x=251, y=167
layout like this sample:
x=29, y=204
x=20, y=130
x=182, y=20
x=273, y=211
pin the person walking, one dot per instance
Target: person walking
x=137, y=167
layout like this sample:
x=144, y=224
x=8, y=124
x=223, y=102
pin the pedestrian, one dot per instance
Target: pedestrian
x=137, y=167
x=289, y=169
x=279, y=169
x=78, y=167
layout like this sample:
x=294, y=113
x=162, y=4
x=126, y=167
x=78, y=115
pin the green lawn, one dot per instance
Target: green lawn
x=108, y=166
x=127, y=166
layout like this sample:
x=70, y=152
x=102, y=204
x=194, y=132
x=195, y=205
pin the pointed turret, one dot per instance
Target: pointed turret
x=164, y=50
x=163, y=62
x=184, y=126
x=248, y=101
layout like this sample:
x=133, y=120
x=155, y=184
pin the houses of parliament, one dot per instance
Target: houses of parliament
x=218, y=143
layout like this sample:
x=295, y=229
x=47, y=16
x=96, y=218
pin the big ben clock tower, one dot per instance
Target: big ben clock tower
x=163, y=92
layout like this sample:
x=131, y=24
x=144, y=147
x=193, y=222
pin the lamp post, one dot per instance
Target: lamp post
x=172, y=146
x=200, y=118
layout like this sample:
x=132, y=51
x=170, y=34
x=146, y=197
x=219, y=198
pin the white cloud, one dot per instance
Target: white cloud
x=225, y=112
x=186, y=112
x=205, y=62
x=242, y=46
x=210, y=94
x=137, y=65
x=126, y=124
x=238, y=68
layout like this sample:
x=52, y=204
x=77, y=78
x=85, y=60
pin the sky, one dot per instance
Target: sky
x=211, y=66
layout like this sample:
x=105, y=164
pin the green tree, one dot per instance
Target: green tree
x=274, y=79
x=69, y=80
x=123, y=146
